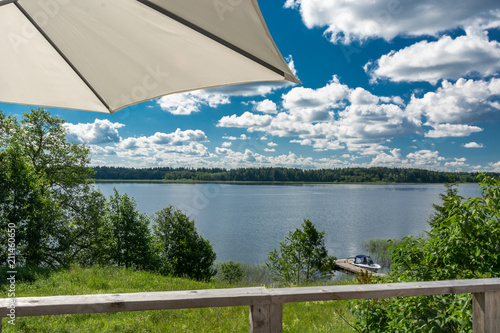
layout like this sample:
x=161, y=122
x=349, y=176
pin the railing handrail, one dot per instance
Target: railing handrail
x=262, y=301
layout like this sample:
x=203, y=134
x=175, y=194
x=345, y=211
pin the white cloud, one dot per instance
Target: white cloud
x=161, y=146
x=389, y=160
x=101, y=131
x=347, y=20
x=333, y=117
x=178, y=137
x=233, y=138
x=424, y=159
x=473, y=145
x=463, y=103
x=272, y=144
x=446, y=58
x=266, y=106
x=452, y=130
x=246, y=120
x=269, y=150
x=457, y=164
x=227, y=144
x=308, y=104
x=191, y=102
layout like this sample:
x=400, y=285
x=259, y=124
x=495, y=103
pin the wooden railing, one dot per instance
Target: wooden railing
x=266, y=305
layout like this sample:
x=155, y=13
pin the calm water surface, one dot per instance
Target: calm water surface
x=245, y=222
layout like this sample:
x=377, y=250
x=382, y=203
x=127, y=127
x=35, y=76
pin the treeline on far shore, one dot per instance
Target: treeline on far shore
x=278, y=174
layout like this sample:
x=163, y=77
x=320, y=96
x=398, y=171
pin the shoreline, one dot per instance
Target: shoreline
x=184, y=181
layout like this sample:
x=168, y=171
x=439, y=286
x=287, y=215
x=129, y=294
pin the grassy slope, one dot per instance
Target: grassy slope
x=299, y=317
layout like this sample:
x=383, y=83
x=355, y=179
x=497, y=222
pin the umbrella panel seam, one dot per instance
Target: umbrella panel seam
x=211, y=36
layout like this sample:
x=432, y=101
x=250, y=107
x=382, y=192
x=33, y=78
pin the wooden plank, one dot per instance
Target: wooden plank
x=260, y=318
x=486, y=312
x=103, y=303
x=276, y=316
x=327, y=293
x=266, y=318
x=57, y=305
x=478, y=313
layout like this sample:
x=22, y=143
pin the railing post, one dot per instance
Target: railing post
x=486, y=312
x=266, y=318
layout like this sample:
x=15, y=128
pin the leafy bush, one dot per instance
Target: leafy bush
x=462, y=244
x=302, y=256
x=182, y=251
x=231, y=271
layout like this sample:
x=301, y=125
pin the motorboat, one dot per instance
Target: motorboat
x=363, y=261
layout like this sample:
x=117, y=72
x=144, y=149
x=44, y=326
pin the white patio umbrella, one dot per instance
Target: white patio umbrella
x=102, y=56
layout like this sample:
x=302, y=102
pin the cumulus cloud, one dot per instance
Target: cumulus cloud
x=266, y=106
x=191, y=102
x=393, y=159
x=99, y=132
x=246, y=120
x=464, y=103
x=446, y=58
x=452, y=130
x=331, y=117
x=473, y=145
x=162, y=145
x=424, y=159
x=308, y=104
x=347, y=20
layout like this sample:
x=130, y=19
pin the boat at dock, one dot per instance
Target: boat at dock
x=365, y=262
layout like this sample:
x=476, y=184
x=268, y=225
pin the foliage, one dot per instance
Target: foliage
x=130, y=238
x=279, y=174
x=46, y=182
x=463, y=243
x=302, y=256
x=182, y=251
x=380, y=250
x=442, y=211
x=29, y=214
x=232, y=272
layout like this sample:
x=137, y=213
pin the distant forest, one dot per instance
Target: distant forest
x=344, y=175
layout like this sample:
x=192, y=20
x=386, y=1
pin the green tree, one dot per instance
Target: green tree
x=463, y=243
x=43, y=164
x=130, y=242
x=442, y=211
x=27, y=208
x=302, y=256
x=231, y=271
x=182, y=251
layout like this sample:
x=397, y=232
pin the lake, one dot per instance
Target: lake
x=245, y=222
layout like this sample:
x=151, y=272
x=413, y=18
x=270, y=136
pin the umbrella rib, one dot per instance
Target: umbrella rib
x=61, y=53
x=6, y=2
x=211, y=36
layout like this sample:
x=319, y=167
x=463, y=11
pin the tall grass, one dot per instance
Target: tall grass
x=297, y=317
x=380, y=250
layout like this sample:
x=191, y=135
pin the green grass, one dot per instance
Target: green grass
x=297, y=317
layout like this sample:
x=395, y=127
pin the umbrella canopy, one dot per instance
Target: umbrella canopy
x=105, y=55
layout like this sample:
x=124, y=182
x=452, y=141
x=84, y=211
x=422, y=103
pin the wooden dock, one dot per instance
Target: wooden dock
x=344, y=265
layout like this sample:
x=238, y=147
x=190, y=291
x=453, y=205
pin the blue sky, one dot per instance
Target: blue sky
x=395, y=83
